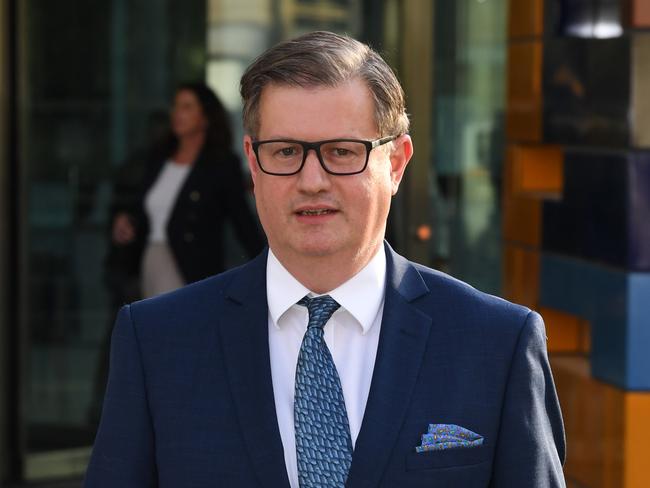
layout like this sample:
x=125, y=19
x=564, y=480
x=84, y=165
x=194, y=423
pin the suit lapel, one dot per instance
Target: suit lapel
x=244, y=333
x=402, y=342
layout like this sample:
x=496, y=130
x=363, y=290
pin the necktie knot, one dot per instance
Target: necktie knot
x=320, y=309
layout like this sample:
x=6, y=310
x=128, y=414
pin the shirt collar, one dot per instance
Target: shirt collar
x=362, y=295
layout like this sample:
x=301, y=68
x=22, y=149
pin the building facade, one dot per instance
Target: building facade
x=531, y=180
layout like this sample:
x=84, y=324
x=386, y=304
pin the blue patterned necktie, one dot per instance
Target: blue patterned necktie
x=323, y=443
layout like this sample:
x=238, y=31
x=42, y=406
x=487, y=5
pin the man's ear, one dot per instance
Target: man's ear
x=399, y=158
x=250, y=156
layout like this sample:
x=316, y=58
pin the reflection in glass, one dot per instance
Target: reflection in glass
x=600, y=19
x=468, y=139
x=87, y=100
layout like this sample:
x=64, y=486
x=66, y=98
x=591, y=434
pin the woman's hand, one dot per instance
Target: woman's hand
x=123, y=230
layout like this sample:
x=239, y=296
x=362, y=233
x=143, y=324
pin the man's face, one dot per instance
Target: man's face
x=314, y=213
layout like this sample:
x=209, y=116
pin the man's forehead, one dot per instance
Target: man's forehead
x=355, y=91
x=344, y=110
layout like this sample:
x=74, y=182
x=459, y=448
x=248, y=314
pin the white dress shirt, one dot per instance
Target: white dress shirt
x=161, y=198
x=351, y=334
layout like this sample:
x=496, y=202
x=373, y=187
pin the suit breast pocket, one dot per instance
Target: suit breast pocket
x=447, y=458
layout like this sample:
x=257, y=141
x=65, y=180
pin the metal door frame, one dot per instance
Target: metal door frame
x=10, y=453
x=4, y=248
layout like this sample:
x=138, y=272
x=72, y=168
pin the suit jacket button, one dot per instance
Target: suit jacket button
x=189, y=237
x=195, y=196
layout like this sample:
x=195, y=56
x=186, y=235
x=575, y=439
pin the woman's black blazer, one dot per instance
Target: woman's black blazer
x=213, y=192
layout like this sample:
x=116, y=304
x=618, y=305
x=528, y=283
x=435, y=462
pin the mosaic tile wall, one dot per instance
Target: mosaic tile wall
x=576, y=226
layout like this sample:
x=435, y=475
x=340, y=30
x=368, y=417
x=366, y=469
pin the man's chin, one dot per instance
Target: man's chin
x=317, y=248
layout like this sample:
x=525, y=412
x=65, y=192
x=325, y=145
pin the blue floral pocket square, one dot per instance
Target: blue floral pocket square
x=448, y=436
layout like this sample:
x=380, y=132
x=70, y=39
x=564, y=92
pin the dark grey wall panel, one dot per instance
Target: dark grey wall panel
x=604, y=214
x=586, y=85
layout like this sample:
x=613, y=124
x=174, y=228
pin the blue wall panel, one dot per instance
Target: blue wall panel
x=638, y=314
x=616, y=303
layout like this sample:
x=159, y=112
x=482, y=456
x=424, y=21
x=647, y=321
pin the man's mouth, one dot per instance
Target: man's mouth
x=320, y=211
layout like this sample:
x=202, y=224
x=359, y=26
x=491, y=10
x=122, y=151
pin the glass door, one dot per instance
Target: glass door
x=91, y=75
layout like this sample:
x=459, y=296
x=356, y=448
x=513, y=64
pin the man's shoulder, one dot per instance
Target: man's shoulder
x=193, y=302
x=474, y=306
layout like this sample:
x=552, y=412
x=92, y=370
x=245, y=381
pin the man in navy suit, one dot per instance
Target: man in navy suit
x=329, y=360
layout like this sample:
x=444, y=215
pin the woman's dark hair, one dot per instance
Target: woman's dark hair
x=218, y=134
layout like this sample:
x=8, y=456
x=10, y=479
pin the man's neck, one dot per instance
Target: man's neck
x=322, y=274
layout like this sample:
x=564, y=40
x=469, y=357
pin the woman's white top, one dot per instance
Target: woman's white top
x=161, y=197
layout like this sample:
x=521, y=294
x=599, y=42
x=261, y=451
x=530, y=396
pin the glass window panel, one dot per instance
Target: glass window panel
x=470, y=60
x=93, y=84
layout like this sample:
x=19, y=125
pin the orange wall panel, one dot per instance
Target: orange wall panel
x=522, y=215
x=522, y=221
x=526, y=18
x=637, y=434
x=607, y=428
x=524, y=92
x=594, y=421
x=640, y=13
x=537, y=171
x=565, y=332
x=521, y=275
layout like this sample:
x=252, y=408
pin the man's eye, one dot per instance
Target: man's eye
x=345, y=152
x=286, y=152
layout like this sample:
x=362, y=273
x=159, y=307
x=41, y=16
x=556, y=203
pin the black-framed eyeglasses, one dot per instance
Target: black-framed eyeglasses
x=286, y=157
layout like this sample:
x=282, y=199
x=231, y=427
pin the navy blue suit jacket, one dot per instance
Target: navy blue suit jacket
x=190, y=399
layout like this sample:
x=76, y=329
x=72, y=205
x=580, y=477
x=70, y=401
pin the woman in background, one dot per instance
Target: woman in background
x=170, y=208
x=173, y=234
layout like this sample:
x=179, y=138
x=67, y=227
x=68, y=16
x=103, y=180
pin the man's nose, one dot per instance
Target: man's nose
x=313, y=177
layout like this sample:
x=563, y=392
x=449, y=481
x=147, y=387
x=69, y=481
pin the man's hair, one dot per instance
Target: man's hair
x=325, y=59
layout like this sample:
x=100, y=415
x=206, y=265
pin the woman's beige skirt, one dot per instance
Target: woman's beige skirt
x=160, y=272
